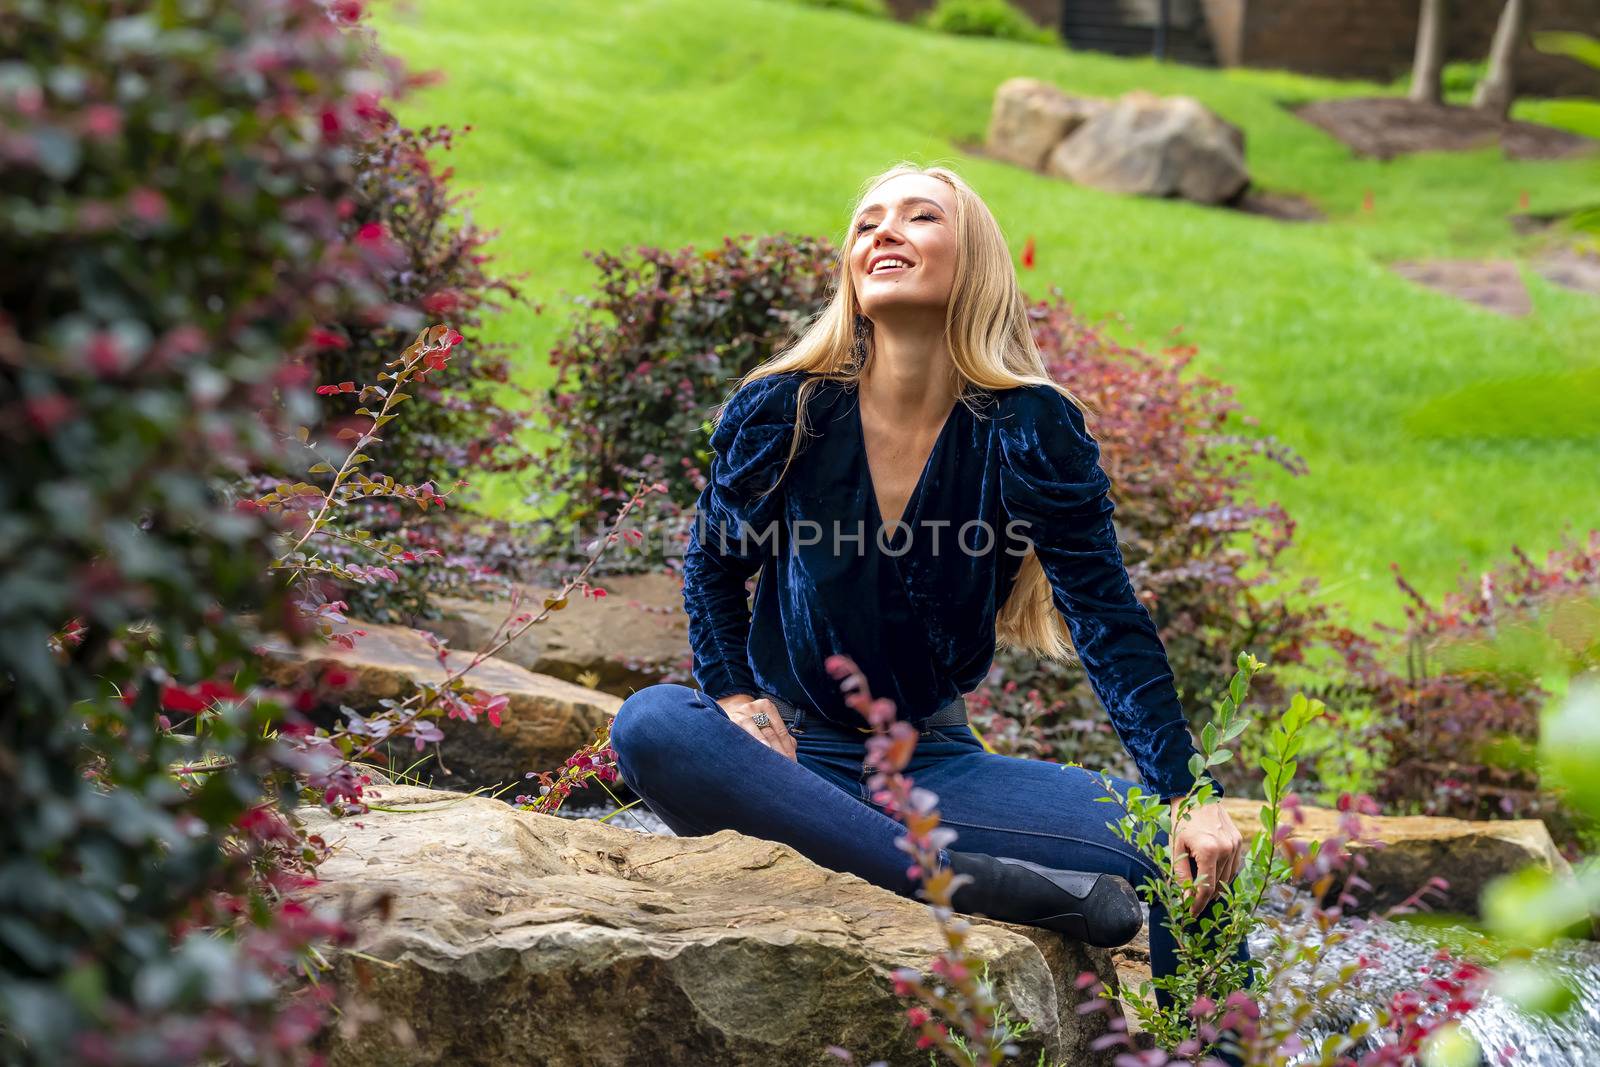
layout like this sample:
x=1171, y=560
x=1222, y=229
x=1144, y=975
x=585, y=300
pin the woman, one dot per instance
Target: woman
x=917, y=393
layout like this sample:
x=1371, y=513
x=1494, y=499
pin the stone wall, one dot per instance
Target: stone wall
x=1362, y=38
x=1376, y=38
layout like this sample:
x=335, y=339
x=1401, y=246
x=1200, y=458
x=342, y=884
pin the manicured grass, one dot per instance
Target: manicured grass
x=1437, y=434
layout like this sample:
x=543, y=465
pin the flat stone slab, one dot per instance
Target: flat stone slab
x=546, y=720
x=516, y=938
x=626, y=640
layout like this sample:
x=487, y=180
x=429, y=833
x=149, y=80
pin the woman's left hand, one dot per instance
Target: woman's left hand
x=1207, y=846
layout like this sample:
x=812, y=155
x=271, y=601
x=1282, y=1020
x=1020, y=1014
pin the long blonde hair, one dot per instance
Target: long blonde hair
x=991, y=347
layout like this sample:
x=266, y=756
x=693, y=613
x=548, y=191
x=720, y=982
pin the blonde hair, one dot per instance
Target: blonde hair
x=991, y=347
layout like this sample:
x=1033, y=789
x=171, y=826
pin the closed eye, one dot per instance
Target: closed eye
x=924, y=215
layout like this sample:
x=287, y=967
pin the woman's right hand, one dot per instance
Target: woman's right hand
x=742, y=709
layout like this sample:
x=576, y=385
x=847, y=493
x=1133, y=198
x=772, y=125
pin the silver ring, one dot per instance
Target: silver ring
x=760, y=719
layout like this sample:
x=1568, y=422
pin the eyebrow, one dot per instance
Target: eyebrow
x=906, y=200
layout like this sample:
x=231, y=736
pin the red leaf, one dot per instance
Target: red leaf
x=322, y=338
x=177, y=698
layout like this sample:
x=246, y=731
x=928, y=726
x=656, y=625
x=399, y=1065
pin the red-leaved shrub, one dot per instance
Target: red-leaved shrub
x=1460, y=718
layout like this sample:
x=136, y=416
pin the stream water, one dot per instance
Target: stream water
x=1499, y=1026
x=1571, y=1040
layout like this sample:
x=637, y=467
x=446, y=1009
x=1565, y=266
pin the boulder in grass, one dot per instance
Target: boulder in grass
x=1148, y=145
x=1030, y=117
x=545, y=720
x=516, y=938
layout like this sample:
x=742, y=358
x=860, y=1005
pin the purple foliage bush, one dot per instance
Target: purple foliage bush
x=457, y=425
x=1460, y=719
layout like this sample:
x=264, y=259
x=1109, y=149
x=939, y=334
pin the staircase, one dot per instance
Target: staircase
x=1128, y=28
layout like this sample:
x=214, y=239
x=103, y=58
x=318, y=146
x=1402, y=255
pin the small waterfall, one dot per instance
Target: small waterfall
x=1403, y=951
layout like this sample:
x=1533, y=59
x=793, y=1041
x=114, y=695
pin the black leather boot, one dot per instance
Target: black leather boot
x=1097, y=909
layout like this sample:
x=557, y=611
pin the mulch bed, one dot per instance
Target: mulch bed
x=1494, y=284
x=1386, y=126
x=1497, y=284
x=1575, y=268
x=1285, y=207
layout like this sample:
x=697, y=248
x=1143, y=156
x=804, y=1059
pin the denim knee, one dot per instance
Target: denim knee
x=649, y=725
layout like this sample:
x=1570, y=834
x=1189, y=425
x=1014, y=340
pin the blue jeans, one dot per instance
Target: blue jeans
x=700, y=773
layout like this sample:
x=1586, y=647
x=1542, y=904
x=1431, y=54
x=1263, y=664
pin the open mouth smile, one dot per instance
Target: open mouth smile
x=890, y=266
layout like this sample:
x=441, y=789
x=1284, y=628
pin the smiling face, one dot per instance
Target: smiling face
x=910, y=218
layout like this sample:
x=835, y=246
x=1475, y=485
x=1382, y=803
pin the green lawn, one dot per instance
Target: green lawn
x=1437, y=434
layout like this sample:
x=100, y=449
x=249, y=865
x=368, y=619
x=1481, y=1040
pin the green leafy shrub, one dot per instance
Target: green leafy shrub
x=1208, y=971
x=872, y=8
x=986, y=18
x=173, y=186
x=1459, y=79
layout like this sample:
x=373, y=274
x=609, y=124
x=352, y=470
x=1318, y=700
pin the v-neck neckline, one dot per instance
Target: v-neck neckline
x=915, y=499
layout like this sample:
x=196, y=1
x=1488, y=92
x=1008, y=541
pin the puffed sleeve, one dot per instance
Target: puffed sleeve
x=1051, y=479
x=735, y=530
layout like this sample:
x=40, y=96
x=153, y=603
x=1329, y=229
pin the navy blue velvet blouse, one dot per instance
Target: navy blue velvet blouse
x=914, y=604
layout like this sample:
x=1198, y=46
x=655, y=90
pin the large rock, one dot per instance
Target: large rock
x=1030, y=118
x=626, y=640
x=1416, y=848
x=546, y=720
x=1150, y=145
x=517, y=938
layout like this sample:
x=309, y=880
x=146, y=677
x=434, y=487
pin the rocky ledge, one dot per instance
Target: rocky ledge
x=513, y=937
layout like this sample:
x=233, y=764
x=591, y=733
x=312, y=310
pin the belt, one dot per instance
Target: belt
x=952, y=713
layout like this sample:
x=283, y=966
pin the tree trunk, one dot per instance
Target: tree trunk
x=1498, y=88
x=1429, y=61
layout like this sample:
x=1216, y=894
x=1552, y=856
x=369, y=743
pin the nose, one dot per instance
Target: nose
x=882, y=233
